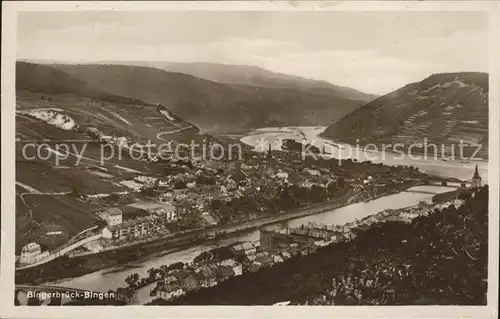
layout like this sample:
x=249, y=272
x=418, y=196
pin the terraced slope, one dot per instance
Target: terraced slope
x=443, y=108
x=64, y=120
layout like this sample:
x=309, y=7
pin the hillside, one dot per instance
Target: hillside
x=214, y=106
x=41, y=78
x=55, y=110
x=444, y=108
x=438, y=259
x=255, y=76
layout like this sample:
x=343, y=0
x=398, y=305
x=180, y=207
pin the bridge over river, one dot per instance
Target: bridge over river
x=442, y=186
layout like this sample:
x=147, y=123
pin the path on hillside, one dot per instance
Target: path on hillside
x=65, y=152
x=29, y=189
x=171, y=132
x=33, y=191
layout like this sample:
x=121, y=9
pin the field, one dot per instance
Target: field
x=50, y=177
x=136, y=122
x=51, y=213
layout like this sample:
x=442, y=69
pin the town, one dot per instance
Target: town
x=224, y=155
x=196, y=196
x=212, y=267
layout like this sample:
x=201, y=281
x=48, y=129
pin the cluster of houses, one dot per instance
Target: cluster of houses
x=246, y=257
x=137, y=220
x=177, y=282
x=403, y=215
x=276, y=247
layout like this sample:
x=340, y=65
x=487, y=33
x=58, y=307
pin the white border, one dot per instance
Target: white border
x=7, y=307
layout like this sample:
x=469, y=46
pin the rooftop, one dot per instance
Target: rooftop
x=152, y=206
x=113, y=211
x=132, y=222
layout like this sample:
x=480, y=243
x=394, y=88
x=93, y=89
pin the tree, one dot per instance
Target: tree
x=152, y=273
x=180, y=184
x=114, y=197
x=176, y=266
x=464, y=196
x=148, y=192
x=131, y=280
x=318, y=193
x=216, y=204
x=341, y=182
x=332, y=188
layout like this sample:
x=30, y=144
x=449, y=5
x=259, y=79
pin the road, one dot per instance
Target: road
x=171, y=132
x=32, y=191
x=80, y=157
x=29, y=189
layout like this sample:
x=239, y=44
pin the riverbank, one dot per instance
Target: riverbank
x=341, y=150
x=65, y=267
x=392, y=263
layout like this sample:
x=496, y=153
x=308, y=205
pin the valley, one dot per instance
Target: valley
x=80, y=156
x=221, y=106
x=236, y=154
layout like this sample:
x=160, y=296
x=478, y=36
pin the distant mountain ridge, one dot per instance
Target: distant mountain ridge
x=41, y=88
x=41, y=78
x=216, y=106
x=443, y=108
x=256, y=76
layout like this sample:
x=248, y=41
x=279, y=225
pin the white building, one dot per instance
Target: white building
x=278, y=259
x=146, y=180
x=209, y=218
x=169, y=293
x=32, y=253
x=237, y=269
x=228, y=262
x=106, y=233
x=132, y=184
x=245, y=248
x=166, y=211
x=113, y=216
x=122, y=141
x=106, y=138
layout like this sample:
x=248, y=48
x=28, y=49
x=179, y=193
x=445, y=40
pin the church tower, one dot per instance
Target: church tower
x=269, y=157
x=476, y=179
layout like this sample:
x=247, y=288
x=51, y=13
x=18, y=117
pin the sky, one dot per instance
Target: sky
x=375, y=52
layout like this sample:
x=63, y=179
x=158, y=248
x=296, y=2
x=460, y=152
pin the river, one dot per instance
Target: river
x=429, y=165
x=106, y=279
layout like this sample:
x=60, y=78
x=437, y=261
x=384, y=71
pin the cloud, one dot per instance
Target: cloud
x=383, y=54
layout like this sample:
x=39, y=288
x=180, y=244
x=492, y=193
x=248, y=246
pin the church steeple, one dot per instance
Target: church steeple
x=476, y=179
x=476, y=173
x=269, y=158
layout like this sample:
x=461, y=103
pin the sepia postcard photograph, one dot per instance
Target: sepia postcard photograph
x=309, y=159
